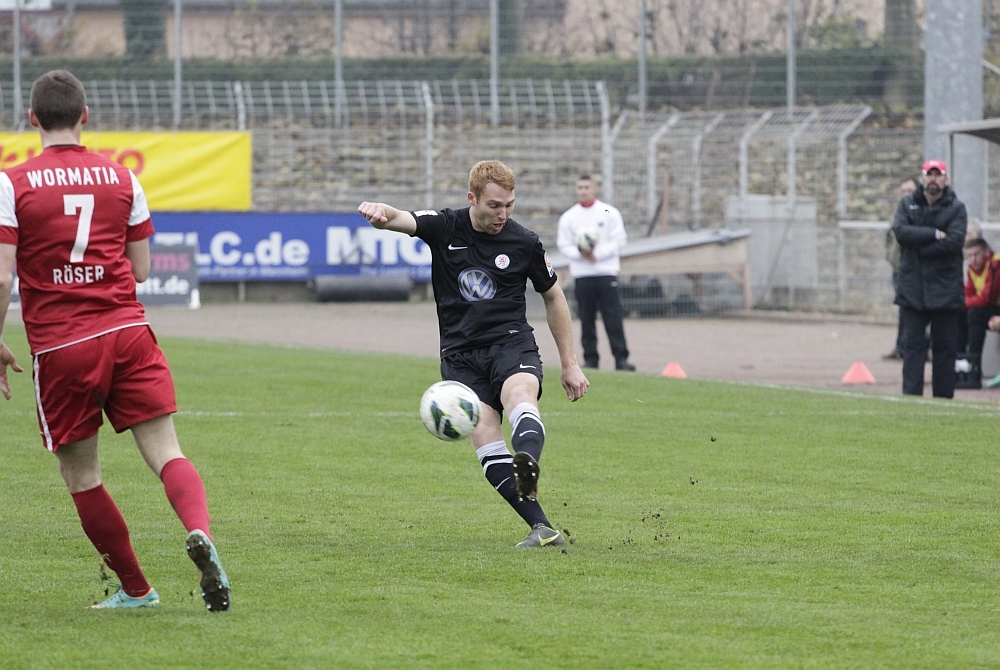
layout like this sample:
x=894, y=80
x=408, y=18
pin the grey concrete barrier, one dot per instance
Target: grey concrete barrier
x=338, y=288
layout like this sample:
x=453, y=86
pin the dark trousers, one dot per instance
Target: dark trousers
x=600, y=293
x=977, y=320
x=899, y=329
x=944, y=343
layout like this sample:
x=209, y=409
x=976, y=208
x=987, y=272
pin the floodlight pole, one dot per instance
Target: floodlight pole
x=495, y=63
x=178, y=75
x=338, y=62
x=607, y=150
x=642, y=60
x=18, y=102
x=428, y=145
x=790, y=64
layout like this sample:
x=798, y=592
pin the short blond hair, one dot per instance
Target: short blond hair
x=486, y=172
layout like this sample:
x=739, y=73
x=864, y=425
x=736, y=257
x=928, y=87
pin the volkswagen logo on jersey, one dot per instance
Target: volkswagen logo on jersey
x=476, y=284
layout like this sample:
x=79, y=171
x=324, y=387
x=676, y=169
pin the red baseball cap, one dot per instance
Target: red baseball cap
x=935, y=164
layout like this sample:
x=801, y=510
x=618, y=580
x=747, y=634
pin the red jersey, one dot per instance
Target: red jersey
x=70, y=212
x=982, y=289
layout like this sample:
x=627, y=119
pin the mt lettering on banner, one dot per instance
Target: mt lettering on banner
x=179, y=171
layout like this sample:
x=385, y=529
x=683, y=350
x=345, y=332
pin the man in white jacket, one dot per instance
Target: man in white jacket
x=591, y=235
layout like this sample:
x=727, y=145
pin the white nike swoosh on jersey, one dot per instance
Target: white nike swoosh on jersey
x=524, y=367
x=451, y=248
x=526, y=432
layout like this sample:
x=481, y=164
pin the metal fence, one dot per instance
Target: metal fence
x=699, y=157
x=232, y=105
x=414, y=142
x=672, y=102
x=411, y=143
x=653, y=53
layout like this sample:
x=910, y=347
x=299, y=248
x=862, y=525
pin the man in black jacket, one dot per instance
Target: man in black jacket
x=930, y=226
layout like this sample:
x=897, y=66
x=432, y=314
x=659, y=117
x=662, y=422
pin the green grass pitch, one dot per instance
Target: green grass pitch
x=715, y=525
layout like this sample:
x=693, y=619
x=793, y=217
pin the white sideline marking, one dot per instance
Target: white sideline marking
x=937, y=403
x=943, y=406
x=294, y=415
x=302, y=415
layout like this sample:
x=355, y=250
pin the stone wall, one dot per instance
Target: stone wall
x=333, y=170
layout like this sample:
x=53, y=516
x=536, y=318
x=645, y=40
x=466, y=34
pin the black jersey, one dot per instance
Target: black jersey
x=479, y=279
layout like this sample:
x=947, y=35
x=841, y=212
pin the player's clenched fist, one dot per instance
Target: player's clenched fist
x=374, y=212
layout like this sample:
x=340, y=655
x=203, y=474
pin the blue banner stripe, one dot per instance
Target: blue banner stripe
x=292, y=246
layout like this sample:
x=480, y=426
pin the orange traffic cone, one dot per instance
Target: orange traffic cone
x=674, y=370
x=858, y=373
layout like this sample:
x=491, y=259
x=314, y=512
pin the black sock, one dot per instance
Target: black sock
x=499, y=471
x=527, y=432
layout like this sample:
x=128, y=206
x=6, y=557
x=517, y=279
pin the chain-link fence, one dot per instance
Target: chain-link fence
x=652, y=53
x=412, y=143
x=395, y=100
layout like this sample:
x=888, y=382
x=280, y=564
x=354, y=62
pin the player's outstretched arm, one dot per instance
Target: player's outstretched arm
x=7, y=252
x=561, y=324
x=381, y=215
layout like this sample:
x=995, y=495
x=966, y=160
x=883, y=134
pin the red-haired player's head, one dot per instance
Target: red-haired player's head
x=491, y=196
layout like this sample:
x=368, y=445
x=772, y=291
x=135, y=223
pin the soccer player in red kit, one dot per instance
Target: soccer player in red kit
x=78, y=227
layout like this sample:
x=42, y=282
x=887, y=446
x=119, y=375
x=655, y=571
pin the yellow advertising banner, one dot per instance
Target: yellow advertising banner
x=178, y=171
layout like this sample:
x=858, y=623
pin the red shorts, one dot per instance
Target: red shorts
x=123, y=373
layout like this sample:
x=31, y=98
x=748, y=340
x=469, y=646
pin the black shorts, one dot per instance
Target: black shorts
x=485, y=369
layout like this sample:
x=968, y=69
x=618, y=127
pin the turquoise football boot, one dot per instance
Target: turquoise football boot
x=214, y=582
x=121, y=600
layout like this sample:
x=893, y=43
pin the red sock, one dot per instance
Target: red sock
x=186, y=494
x=104, y=525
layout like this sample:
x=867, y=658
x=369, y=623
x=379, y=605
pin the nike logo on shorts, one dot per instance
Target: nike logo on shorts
x=525, y=367
x=451, y=248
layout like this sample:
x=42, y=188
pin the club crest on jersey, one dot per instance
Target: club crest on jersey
x=476, y=284
x=502, y=261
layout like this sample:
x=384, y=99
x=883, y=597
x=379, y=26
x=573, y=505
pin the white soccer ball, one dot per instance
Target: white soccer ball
x=450, y=410
x=586, y=238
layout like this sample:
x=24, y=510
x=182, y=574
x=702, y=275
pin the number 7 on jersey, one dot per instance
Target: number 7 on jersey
x=84, y=203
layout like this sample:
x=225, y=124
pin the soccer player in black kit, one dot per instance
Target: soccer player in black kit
x=481, y=262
